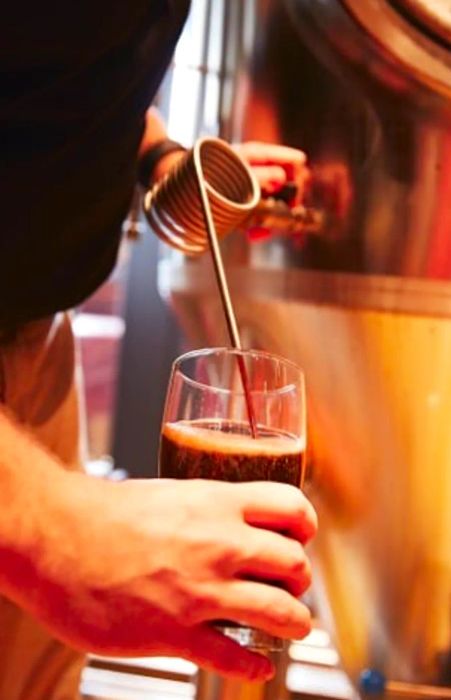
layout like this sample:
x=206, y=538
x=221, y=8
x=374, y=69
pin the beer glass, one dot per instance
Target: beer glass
x=235, y=415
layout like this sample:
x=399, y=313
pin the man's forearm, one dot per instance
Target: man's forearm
x=28, y=477
x=154, y=133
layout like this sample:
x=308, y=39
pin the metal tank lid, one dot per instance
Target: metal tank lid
x=432, y=15
x=415, y=33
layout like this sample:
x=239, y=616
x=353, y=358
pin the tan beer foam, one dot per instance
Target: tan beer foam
x=209, y=440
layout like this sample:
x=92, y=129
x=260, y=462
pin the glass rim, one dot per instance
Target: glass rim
x=205, y=352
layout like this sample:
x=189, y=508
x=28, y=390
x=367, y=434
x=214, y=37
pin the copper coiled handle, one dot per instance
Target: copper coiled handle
x=174, y=207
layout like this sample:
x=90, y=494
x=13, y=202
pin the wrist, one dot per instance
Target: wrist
x=157, y=159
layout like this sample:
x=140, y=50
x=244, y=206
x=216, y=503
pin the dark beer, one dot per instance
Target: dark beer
x=225, y=451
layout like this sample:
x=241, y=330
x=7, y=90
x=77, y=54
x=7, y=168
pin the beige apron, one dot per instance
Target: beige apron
x=37, y=383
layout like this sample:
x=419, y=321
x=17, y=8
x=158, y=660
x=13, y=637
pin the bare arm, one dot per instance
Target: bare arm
x=143, y=567
x=28, y=475
x=155, y=131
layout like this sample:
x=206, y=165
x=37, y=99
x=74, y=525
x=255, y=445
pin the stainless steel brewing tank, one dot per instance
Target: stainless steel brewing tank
x=364, y=87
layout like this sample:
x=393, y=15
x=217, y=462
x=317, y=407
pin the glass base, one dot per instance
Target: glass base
x=250, y=637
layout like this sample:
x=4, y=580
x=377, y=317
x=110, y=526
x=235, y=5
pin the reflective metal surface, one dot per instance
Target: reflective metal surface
x=209, y=177
x=364, y=305
x=368, y=97
x=432, y=15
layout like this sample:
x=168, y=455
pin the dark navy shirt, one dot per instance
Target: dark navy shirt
x=76, y=78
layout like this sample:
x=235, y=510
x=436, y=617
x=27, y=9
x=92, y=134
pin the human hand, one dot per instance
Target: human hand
x=274, y=166
x=144, y=567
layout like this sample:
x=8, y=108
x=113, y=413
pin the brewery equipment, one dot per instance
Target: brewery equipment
x=363, y=305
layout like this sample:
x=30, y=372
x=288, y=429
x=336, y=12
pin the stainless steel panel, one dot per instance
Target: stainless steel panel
x=368, y=96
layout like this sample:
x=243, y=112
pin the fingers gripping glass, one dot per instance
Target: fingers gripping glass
x=206, y=432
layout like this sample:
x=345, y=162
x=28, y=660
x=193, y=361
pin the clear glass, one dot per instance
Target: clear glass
x=206, y=431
